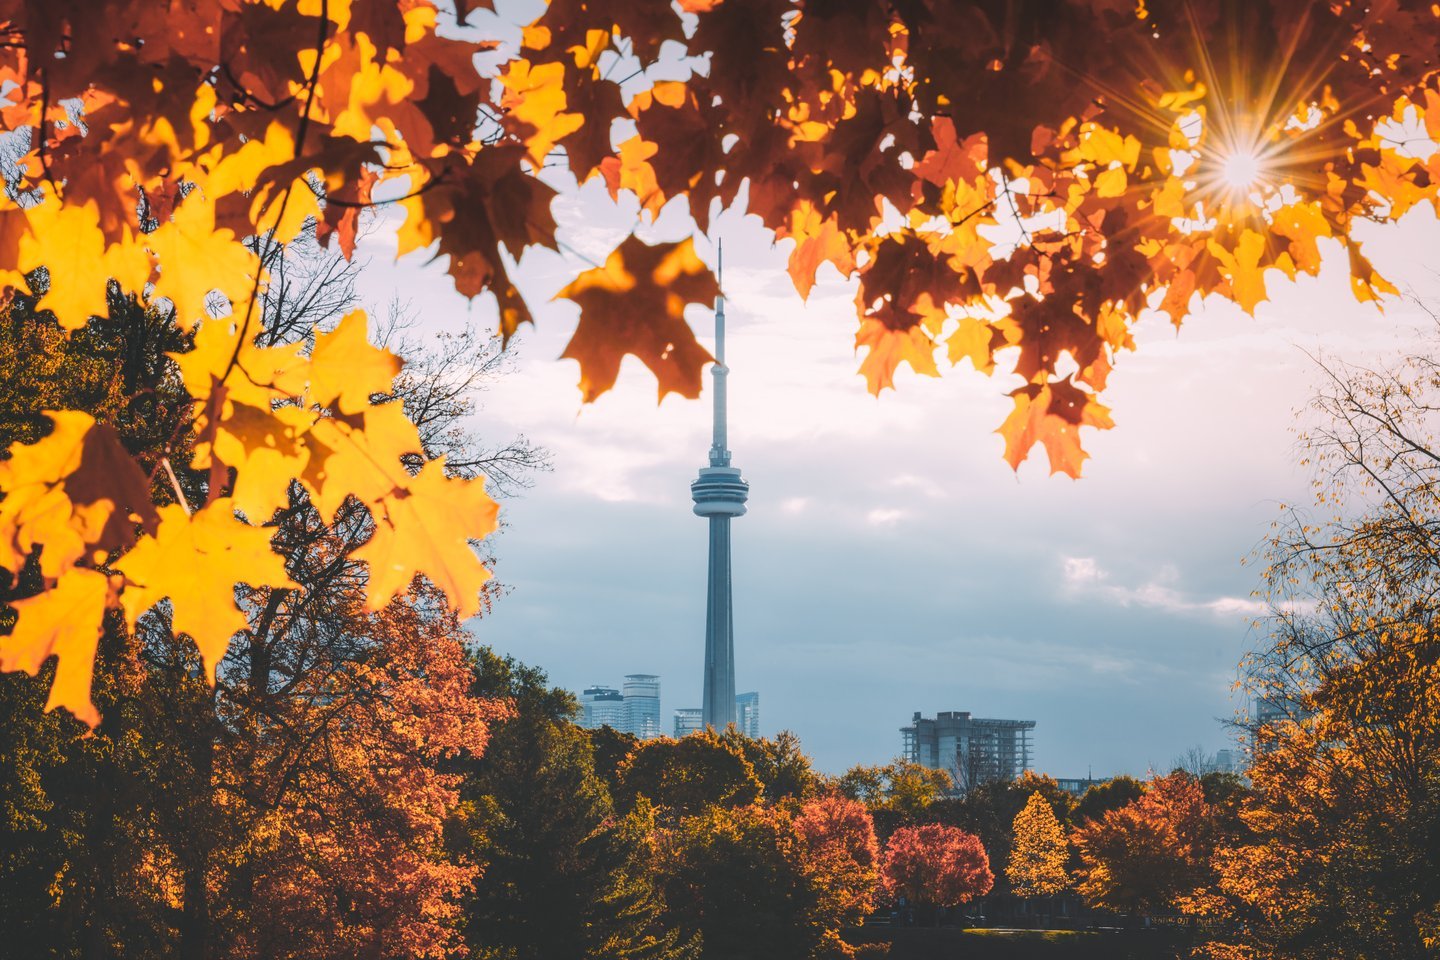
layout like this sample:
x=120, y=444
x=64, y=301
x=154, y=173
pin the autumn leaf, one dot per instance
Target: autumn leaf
x=195, y=562
x=195, y=257
x=346, y=370
x=635, y=304
x=425, y=528
x=889, y=348
x=1052, y=415
x=64, y=622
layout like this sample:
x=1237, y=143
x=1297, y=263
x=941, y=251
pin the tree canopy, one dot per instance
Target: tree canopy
x=997, y=176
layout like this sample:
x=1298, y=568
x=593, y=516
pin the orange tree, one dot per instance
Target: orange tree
x=936, y=865
x=998, y=176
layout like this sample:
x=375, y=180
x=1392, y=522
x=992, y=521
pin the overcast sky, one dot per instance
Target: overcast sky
x=890, y=561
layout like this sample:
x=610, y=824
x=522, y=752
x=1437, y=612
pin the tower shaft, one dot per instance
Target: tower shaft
x=718, y=706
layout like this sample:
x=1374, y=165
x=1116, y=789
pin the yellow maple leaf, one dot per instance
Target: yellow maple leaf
x=345, y=369
x=426, y=528
x=252, y=375
x=196, y=257
x=631, y=170
x=359, y=455
x=1111, y=183
x=1242, y=268
x=888, y=348
x=971, y=340
x=65, y=238
x=267, y=450
x=195, y=562
x=535, y=96
x=65, y=622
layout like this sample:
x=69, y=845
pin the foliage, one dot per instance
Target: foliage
x=990, y=187
x=745, y=879
x=1039, y=852
x=936, y=864
x=781, y=767
x=683, y=777
x=902, y=786
x=989, y=809
x=1112, y=794
x=563, y=876
x=843, y=859
x=1338, y=855
x=295, y=807
x=1151, y=854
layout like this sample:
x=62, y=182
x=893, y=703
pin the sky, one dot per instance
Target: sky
x=890, y=561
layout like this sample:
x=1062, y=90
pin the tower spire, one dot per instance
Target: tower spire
x=719, y=494
x=719, y=454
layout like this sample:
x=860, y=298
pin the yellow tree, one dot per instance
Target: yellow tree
x=1039, y=851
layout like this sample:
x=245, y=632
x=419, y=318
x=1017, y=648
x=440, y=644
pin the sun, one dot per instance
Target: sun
x=1240, y=169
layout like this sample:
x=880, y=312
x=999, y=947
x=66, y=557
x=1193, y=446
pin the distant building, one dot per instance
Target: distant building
x=747, y=714
x=603, y=707
x=1227, y=761
x=635, y=709
x=747, y=717
x=1076, y=786
x=688, y=720
x=972, y=750
x=642, y=704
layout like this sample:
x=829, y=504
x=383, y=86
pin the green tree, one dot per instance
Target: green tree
x=684, y=777
x=563, y=876
x=740, y=877
x=1112, y=794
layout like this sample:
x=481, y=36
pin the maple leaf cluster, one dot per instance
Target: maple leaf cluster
x=1000, y=177
x=996, y=177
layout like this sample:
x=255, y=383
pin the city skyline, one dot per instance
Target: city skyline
x=894, y=558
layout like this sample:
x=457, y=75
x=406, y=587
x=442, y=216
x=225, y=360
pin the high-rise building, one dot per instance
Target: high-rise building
x=688, y=720
x=747, y=714
x=642, y=704
x=603, y=707
x=720, y=494
x=972, y=750
x=636, y=710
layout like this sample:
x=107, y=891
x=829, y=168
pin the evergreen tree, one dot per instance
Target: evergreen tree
x=562, y=875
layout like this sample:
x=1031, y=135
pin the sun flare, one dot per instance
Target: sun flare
x=1240, y=170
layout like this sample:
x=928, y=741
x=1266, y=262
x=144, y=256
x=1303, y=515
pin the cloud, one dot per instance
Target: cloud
x=1083, y=577
x=885, y=516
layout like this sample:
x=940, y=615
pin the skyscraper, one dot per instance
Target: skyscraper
x=603, y=707
x=747, y=714
x=635, y=711
x=642, y=704
x=720, y=494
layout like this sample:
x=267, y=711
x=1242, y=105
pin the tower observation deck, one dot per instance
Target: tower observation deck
x=719, y=494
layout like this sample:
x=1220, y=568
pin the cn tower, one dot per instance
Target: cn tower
x=719, y=494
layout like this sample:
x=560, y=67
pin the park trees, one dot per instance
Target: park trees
x=563, y=874
x=1150, y=855
x=1010, y=186
x=1039, y=853
x=936, y=865
x=1337, y=856
x=844, y=861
